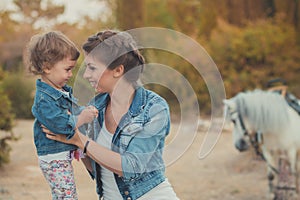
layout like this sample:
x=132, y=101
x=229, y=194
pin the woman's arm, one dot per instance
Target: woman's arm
x=101, y=155
x=143, y=154
x=144, y=151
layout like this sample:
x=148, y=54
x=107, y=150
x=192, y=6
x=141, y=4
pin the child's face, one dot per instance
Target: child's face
x=60, y=73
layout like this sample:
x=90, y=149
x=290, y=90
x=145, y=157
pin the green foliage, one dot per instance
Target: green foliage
x=33, y=11
x=248, y=57
x=157, y=14
x=4, y=151
x=180, y=70
x=20, y=91
x=6, y=115
x=6, y=124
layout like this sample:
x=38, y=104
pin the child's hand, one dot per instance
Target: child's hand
x=87, y=115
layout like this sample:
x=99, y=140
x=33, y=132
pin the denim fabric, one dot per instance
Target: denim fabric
x=50, y=108
x=140, y=139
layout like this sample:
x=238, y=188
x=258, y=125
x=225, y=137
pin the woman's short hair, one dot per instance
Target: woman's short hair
x=114, y=48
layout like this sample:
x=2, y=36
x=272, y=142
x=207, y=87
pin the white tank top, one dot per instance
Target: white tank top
x=110, y=188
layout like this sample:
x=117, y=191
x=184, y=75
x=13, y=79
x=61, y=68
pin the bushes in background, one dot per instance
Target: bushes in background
x=20, y=91
x=6, y=123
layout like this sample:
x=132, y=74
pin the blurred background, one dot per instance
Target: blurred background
x=251, y=42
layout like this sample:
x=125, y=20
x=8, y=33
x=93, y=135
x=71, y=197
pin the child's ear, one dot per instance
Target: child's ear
x=46, y=71
x=118, y=71
x=46, y=68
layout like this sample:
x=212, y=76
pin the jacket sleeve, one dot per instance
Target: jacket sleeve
x=145, y=146
x=55, y=117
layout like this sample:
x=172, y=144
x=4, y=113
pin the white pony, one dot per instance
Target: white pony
x=268, y=114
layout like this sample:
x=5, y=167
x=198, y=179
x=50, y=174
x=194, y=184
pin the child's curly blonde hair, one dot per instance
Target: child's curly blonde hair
x=45, y=50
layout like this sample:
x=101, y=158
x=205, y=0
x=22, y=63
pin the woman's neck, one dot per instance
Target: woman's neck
x=118, y=106
x=122, y=95
x=123, y=98
x=120, y=100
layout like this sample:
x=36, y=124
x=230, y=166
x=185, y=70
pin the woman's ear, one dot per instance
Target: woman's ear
x=118, y=71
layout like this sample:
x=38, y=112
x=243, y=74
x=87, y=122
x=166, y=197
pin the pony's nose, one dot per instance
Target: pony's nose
x=241, y=145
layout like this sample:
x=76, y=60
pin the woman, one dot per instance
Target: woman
x=128, y=136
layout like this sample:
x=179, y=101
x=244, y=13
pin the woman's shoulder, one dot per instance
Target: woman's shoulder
x=157, y=106
x=152, y=96
x=153, y=99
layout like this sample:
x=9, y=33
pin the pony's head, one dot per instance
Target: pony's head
x=240, y=134
x=255, y=112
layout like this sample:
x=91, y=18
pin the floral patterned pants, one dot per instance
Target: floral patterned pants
x=60, y=176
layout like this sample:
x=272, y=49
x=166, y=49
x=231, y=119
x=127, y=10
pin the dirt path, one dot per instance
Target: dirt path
x=224, y=174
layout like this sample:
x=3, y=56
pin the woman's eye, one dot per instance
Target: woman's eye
x=92, y=68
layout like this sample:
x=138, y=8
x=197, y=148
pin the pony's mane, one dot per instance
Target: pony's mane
x=265, y=111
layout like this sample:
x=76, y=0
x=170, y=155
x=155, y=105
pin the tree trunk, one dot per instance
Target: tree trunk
x=130, y=14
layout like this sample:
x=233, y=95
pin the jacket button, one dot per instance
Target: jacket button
x=126, y=193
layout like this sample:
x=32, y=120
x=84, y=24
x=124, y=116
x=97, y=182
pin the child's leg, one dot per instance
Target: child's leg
x=60, y=176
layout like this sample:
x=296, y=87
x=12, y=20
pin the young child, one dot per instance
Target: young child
x=53, y=56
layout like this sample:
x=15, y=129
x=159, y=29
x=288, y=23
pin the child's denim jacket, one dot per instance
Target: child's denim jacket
x=51, y=108
x=140, y=139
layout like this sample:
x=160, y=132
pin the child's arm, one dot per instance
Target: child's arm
x=54, y=117
x=87, y=115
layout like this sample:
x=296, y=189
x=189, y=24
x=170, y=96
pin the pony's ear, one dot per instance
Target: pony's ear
x=225, y=101
x=229, y=103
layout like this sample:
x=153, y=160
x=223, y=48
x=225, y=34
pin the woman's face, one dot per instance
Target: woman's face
x=100, y=77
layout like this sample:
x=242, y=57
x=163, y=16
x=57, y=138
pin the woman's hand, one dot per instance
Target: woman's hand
x=62, y=138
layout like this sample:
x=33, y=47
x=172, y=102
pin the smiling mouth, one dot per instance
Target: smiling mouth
x=93, y=84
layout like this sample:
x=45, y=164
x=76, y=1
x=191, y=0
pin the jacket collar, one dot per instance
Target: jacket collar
x=138, y=102
x=54, y=93
x=137, y=105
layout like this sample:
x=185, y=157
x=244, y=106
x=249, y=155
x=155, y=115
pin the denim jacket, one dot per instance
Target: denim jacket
x=50, y=108
x=139, y=138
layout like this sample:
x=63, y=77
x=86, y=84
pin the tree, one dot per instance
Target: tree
x=248, y=57
x=130, y=14
x=37, y=11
